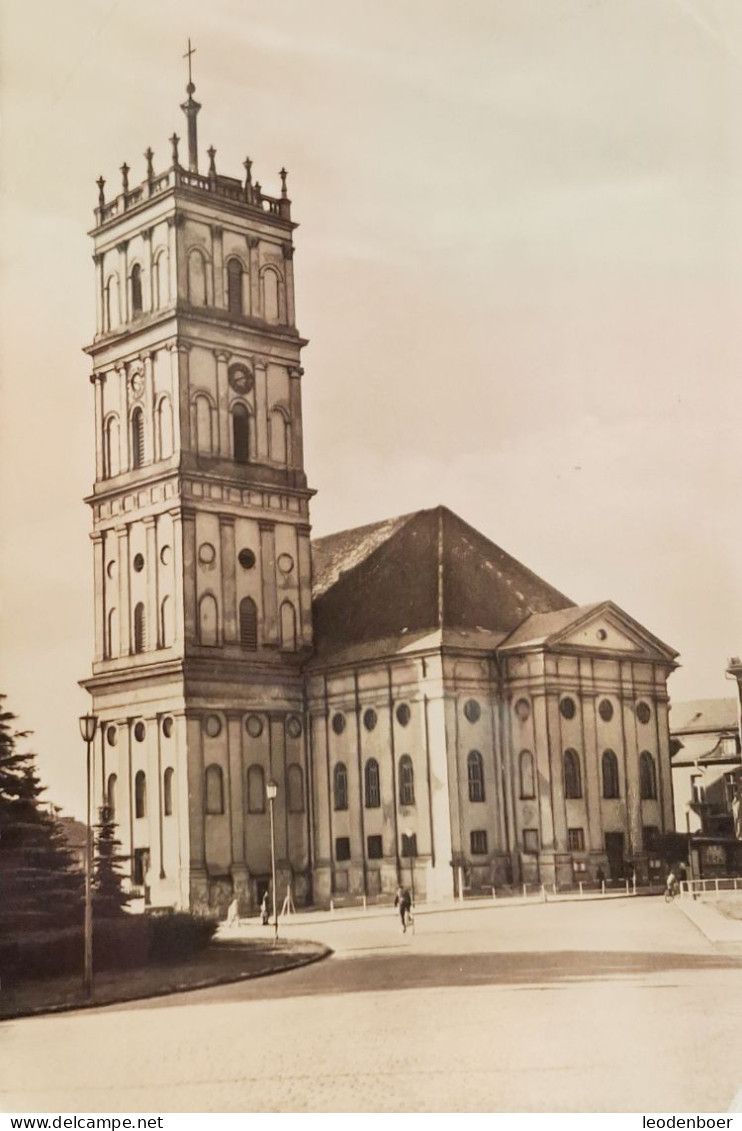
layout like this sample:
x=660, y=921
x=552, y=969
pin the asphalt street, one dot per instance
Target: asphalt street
x=619, y=1006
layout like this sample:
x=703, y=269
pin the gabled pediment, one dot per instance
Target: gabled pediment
x=602, y=628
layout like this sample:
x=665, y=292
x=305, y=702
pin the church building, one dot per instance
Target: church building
x=425, y=706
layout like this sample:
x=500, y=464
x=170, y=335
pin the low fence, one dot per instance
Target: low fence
x=720, y=885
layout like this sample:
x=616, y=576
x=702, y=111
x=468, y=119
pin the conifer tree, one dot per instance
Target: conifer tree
x=39, y=884
x=109, y=898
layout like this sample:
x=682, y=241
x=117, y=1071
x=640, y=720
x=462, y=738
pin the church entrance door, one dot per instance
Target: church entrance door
x=614, y=852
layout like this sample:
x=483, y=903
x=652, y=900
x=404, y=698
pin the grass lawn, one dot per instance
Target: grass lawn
x=732, y=908
x=222, y=961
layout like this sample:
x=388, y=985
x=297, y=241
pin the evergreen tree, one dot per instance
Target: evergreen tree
x=39, y=884
x=109, y=898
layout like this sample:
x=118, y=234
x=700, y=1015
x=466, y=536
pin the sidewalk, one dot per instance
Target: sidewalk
x=710, y=922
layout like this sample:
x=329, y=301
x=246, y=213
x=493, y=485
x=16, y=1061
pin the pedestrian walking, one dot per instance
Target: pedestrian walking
x=265, y=910
x=233, y=913
x=403, y=900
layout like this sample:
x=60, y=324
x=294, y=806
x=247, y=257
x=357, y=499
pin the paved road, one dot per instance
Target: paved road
x=613, y=1006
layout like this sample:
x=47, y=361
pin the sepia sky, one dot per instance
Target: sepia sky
x=519, y=265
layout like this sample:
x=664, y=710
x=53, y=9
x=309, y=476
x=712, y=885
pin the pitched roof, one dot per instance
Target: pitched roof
x=422, y=571
x=696, y=716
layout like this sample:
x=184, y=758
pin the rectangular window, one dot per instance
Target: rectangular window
x=342, y=848
x=140, y=866
x=576, y=840
x=409, y=844
x=580, y=867
x=374, y=849
x=530, y=840
x=478, y=842
x=730, y=787
x=649, y=837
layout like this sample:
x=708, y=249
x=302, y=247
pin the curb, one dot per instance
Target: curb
x=166, y=991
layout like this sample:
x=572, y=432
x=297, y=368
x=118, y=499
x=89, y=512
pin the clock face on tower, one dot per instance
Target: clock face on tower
x=241, y=379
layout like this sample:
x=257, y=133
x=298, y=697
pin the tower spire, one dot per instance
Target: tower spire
x=191, y=108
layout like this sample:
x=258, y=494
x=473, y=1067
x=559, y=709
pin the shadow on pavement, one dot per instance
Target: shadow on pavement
x=371, y=972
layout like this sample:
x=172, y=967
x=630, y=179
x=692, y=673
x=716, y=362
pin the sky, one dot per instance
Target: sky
x=519, y=265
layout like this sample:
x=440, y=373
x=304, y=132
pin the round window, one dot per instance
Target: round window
x=567, y=707
x=472, y=710
x=167, y=727
x=246, y=558
x=285, y=563
x=111, y=569
x=293, y=726
x=213, y=726
x=254, y=726
x=403, y=714
x=338, y=722
x=602, y=634
x=139, y=731
x=112, y=736
x=643, y=712
x=369, y=718
x=523, y=709
x=138, y=563
x=605, y=710
x=206, y=553
x=165, y=555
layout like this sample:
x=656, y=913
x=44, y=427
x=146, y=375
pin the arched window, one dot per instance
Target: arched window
x=288, y=627
x=279, y=436
x=241, y=434
x=610, y=774
x=475, y=774
x=340, y=786
x=111, y=795
x=111, y=314
x=140, y=794
x=248, y=624
x=136, y=289
x=214, y=789
x=167, y=626
x=527, y=775
x=647, y=777
x=167, y=791
x=112, y=641
x=255, y=790
x=137, y=438
x=140, y=628
x=572, y=774
x=271, y=304
x=295, y=788
x=372, y=784
x=208, y=620
x=204, y=430
x=406, y=781
x=159, y=280
x=111, y=447
x=164, y=428
x=197, y=294
x=234, y=286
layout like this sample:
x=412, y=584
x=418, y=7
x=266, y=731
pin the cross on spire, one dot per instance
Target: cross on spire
x=188, y=55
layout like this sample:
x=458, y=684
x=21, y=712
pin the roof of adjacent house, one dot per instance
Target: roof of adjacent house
x=416, y=573
x=702, y=715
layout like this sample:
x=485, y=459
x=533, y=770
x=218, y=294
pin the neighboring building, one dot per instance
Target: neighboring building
x=706, y=766
x=75, y=836
x=431, y=702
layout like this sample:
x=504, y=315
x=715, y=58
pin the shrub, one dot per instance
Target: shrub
x=178, y=933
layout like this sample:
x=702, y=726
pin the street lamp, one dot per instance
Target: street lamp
x=271, y=791
x=88, y=727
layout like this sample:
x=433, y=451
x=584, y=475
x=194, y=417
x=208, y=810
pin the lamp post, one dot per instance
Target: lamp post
x=88, y=727
x=271, y=791
x=690, y=851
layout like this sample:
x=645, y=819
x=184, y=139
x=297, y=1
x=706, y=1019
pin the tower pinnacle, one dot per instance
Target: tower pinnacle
x=191, y=108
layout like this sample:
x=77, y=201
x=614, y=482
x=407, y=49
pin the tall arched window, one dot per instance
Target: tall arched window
x=137, y=438
x=140, y=794
x=111, y=795
x=295, y=788
x=475, y=774
x=167, y=622
x=340, y=786
x=271, y=304
x=111, y=313
x=140, y=628
x=197, y=294
x=164, y=428
x=167, y=791
x=214, y=789
x=610, y=774
x=255, y=790
x=647, y=777
x=527, y=774
x=112, y=636
x=372, y=784
x=288, y=627
x=572, y=774
x=234, y=286
x=111, y=462
x=241, y=434
x=208, y=620
x=406, y=781
x=136, y=289
x=204, y=430
x=248, y=624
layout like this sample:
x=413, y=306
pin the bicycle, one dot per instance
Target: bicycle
x=671, y=891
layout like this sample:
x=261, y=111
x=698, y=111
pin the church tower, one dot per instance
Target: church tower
x=200, y=530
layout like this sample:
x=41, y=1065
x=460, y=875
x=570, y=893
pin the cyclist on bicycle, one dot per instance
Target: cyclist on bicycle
x=671, y=885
